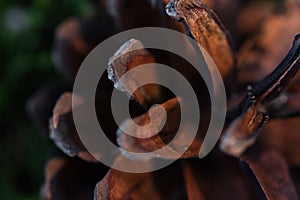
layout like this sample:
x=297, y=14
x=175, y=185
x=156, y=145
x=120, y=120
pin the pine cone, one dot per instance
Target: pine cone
x=258, y=150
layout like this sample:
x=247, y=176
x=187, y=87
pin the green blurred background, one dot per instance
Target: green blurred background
x=26, y=37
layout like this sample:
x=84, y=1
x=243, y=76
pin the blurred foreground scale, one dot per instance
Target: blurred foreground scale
x=260, y=54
